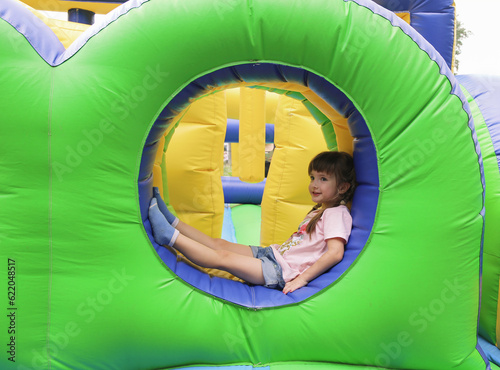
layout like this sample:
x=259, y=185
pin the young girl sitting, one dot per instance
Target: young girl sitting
x=314, y=248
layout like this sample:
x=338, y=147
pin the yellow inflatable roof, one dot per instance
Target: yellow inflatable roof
x=64, y=6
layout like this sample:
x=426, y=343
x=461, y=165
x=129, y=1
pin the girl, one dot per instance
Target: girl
x=314, y=248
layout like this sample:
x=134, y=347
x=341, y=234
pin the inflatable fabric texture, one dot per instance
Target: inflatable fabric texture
x=233, y=104
x=252, y=135
x=483, y=92
x=93, y=290
x=196, y=188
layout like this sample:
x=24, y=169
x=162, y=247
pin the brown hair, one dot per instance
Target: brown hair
x=341, y=166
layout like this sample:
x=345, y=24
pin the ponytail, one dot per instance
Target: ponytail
x=311, y=226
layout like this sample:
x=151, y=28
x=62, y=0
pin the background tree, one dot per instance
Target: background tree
x=461, y=34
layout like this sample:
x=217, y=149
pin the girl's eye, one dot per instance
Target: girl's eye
x=324, y=179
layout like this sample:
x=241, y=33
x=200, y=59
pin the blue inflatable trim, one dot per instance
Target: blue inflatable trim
x=237, y=191
x=486, y=93
x=485, y=90
x=228, y=231
x=233, y=131
x=435, y=20
x=39, y=35
x=491, y=352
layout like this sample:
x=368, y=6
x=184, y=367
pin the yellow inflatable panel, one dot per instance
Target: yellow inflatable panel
x=233, y=112
x=404, y=16
x=272, y=100
x=233, y=104
x=64, y=6
x=67, y=32
x=252, y=137
x=344, y=138
x=340, y=127
x=298, y=138
x=193, y=165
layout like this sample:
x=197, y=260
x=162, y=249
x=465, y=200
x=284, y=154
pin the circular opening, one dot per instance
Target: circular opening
x=364, y=202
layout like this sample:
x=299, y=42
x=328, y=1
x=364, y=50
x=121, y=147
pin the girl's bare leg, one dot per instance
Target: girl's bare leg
x=245, y=267
x=213, y=243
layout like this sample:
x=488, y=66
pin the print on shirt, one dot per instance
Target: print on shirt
x=296, y=237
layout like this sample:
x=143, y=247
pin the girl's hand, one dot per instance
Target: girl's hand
x=294, y=284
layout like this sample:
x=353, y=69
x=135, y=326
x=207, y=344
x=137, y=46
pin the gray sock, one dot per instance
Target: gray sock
x=172, y=220
x=163, y=232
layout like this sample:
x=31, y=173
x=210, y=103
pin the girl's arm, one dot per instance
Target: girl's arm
x=330, y=258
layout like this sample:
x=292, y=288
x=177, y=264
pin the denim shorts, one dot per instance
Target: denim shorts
x=273, y=274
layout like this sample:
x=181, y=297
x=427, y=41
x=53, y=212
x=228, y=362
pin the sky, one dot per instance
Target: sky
x=480, y=51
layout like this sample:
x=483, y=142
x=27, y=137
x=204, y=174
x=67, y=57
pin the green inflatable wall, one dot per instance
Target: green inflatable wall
x=90, y=291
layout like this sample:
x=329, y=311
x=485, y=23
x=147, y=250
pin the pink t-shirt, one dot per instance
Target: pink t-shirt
x=302, y=250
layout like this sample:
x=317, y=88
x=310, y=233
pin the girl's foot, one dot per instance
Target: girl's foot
x=172, y=220
x=163, y=232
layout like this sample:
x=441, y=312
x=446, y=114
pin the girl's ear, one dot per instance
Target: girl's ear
x=344, y=187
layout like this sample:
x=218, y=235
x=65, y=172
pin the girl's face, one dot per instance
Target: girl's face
x=323, y=188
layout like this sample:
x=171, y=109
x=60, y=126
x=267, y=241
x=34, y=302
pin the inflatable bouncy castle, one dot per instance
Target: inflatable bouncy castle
x=92, y=117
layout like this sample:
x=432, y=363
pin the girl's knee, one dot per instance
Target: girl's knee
x=219, y=243
x=222, y=258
